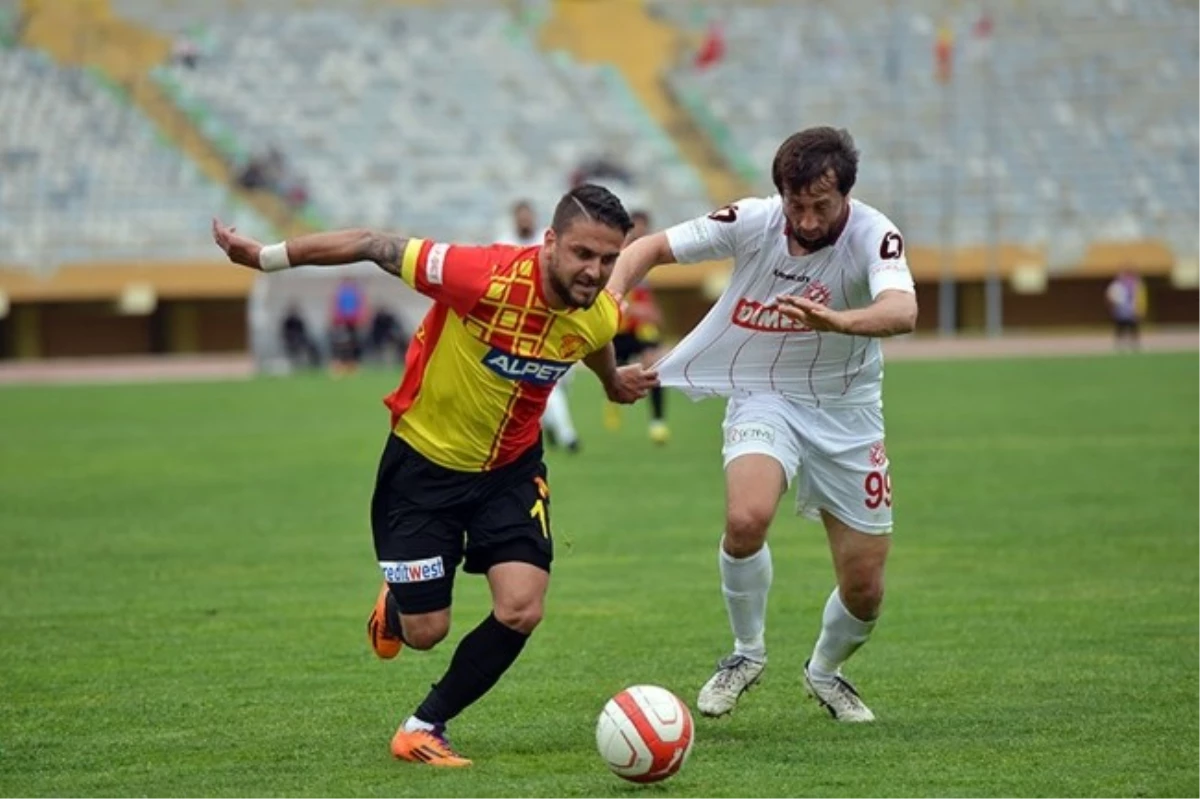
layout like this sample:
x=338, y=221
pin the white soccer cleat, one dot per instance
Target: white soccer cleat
x=734, y=676
x=839, y=697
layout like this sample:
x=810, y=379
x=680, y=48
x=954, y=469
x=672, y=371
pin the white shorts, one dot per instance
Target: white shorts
x=835, y=456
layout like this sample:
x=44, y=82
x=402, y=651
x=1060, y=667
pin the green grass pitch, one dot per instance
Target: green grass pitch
x=187, y=571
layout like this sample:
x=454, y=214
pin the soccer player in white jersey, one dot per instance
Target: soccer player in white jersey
x=793, y=342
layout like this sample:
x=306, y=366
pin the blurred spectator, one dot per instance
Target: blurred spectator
x=297, y=193
x=275, y=168
x=600, y=170
x=607, y=170
x=346, y=323
x=712, y=47
x=1126, y=297
x=387, y=341
x=184, y=52
x=522, y=228
x=298, y=344
x=253, y=175
x=269, y=170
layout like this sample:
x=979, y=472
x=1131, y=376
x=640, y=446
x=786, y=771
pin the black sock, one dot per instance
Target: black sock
x=482, y=656
x=391, y=618
x=656, y=403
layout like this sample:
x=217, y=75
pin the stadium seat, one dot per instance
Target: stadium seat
x=430, y=119
x=86, y=177
x=1060, y=123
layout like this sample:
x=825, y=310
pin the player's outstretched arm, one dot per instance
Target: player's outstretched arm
x=333, y=248
x=636, y=261
x=625, y=384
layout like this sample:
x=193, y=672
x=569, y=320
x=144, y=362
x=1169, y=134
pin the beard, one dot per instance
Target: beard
x=563, y=290
x=812, y=245
x=826, y=239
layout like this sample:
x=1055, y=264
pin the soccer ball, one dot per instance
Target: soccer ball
x=644, y=733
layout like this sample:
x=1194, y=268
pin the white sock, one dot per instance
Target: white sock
x=841, y=635
x=558, y=417
x=745, y=582
x=413, y=724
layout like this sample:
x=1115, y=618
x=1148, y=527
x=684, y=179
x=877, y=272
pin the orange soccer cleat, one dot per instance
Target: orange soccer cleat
x=426, y=746
x=386, y=645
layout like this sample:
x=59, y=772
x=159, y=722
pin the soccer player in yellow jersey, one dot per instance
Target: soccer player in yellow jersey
x=465, y=451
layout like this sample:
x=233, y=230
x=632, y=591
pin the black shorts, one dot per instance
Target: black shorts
x=1126, y=326
x=426, y=519
x=629, y=346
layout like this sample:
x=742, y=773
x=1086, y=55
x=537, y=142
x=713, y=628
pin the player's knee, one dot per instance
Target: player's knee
x=523, y=617
x=424, y=633
x=862, y=594
x=746, y=530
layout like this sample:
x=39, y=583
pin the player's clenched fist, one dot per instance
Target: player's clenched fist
x=631, y=383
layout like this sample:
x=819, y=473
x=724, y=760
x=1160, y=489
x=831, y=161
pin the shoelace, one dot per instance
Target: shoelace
x=844, y=694
x=440, y=734
x=728, y=667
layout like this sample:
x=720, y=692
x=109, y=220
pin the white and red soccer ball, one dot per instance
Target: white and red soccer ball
x=645, y=733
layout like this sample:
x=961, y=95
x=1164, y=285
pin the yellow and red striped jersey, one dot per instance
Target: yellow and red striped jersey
x=486, y=356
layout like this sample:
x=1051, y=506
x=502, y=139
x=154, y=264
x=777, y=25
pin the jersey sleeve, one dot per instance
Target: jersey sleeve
x=719, y=235
x=881, y=248
x=448, y=273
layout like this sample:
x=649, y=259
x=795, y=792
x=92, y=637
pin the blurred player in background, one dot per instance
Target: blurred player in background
x=1126, y=296
x=560, y=427
x=793, y=342
x=640, y=341
x=461, y=475
x=347, y=318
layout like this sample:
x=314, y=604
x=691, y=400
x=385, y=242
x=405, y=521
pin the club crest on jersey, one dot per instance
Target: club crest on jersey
x=817, y=292
x=572, y=346
x=877, y=456
x=537, y=371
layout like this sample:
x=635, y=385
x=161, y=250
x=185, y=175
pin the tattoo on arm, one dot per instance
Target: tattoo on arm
x=385, y=249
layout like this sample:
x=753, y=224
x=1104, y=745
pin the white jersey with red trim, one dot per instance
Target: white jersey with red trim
x=744, y=345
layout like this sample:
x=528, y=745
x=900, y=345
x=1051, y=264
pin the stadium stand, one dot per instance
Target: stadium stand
x=87, y=178
x=427, y=117
x=1049, y=113
x=434, y=117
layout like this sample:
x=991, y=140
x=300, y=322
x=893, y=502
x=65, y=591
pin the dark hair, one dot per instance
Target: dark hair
x=805, y=157
x=592, y=202
x=642, y=215
x=522, y=205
